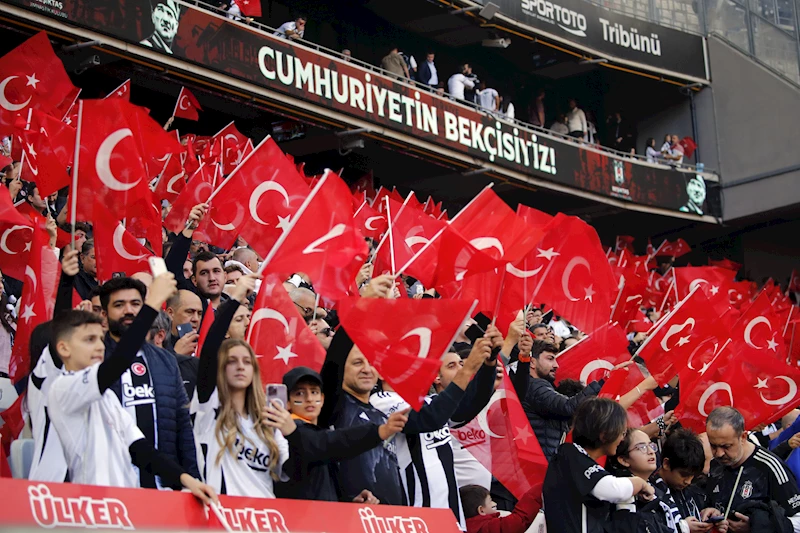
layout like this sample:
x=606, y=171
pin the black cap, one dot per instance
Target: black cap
x=295, y=375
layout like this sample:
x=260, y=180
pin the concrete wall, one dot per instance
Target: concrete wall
x=755, y=118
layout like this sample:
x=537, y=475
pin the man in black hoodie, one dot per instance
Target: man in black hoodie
x=314, y=450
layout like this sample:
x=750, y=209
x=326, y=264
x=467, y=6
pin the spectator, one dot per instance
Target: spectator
x=100, y=440
x=549, y=412
x=185, y=311
x=487, y=98
x=621, y=133
x=666, y=148
x=427, y=71
x=232, y=274
x=458, y=83
x=411, y=64
x=238, y=327
x=682, y=459
x=293, y=29
x=540, y=332
x=348, y=380
x=744, y=475
x=507, y=108
x=650, y=151
x=577, y=491
x=394, y=63
x=86, y=280
x=314, y=450
x=560, y=125
x=153, y=391
x=483, y=516
x=675, y=153
x=347, y=55
x=159, y=330
x=240, y=455
x=8, y=329
x=536, y=114
x=576, y=121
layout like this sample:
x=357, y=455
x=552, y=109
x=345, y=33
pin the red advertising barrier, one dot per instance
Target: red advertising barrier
x=49, y=505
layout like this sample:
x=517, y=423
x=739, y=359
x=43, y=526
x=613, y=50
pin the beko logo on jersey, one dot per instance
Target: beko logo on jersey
x=54, y=511
x=568, y=20
x=395, y=524
x=254, y=458
x=434, y=439
x=143, y=394
x=260, y=520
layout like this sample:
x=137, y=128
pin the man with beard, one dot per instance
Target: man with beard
x=549, y=412
x=151, y=390
x=165, y=17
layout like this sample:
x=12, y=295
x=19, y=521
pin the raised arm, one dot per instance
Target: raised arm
x=180, y=248
x=69, y=269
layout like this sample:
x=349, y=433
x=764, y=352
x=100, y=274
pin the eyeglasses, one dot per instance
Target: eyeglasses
x=642, y=447
x=305, y=311
x=326, y=332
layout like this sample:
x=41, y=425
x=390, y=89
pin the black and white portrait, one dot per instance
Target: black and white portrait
x=696, y=190
x=165, y=16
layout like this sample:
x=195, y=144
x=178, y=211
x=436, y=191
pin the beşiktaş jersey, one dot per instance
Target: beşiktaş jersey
x=48, y=455
x=94, y=429
x=672, y=514
x=139, y=400
x=425, y=460
x=245, y=474
x=375, y=470
x=764, y=478
x=568, y=504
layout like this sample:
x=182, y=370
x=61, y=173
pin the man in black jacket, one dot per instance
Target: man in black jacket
x=549, y=412
x=86, y=280
x=314, y=450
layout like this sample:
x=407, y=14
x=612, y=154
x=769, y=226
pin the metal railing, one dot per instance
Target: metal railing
x=433, y=91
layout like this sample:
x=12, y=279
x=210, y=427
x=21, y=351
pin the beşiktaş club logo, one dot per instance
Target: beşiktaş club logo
x=85, y=512
x=568, y=20
x=395, y=524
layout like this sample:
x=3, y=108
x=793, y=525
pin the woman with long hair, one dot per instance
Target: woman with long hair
x=239, y=452
x=8, y=328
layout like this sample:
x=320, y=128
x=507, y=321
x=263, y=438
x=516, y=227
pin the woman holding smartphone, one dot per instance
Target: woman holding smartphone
x=239, y=451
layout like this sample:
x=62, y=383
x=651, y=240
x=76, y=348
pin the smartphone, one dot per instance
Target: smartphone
x=483, y=321
x=184, y=329
x=157, y=266
x=277, y=391
x=474, y=332
x=714, y=519
x=118, y=275
x=547, y=317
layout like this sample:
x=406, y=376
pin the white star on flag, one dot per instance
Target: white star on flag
x=762, y=383
x=772, y=345
x=28, y=246
x=714, y=289
x=283, y=222
x=548, y=254
x=284, y=354
x=32, y=81
x=684, y=340
x=523, y=434
x=589, y=293
x=28, y=313
x=31, y=151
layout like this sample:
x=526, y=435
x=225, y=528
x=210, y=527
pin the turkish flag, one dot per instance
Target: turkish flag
x=368, y=221
x=41, y=164
x=739, y=293
x=37, y=302
x=172, y=179
x=16, y=234
x=197, y=191
x=679, y=335
x=60, y=136
x=321, y=240
x=33, y=77
x=725, y=263
x=189, y=159
x=187, y=106
x=675, y=249
x=232, y=144
x=117, y=249
x=250, y=8
x=67, y=110
x=575, y=277
x=501, y=439
x=279, y=334
x=378, y=202
x=111, y=168
x=593, y=356
x=154, y=143
x=365, y=184
x=123, y=91
x=205, y=325
x=492, y=227
x=714, y=281
x=624, y=242
x=258, y=200
x=630, y=300
x=761, y=329
x=13, y=421
x=623, y=380
x=404, y=339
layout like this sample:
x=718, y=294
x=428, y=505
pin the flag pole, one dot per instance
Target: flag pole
x=468, y=316
x=271, y=255
x=248, y=156
x=359, y=209
x=619, y=295
x=499, y=295
x=73, y=199
x=388, y=232
x=391, y=237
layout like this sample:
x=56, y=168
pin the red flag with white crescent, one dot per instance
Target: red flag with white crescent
x=592, y=357
x=187, y=106
x=117, y=249
x=123, y=91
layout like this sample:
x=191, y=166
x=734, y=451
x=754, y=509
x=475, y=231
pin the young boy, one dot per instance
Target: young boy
x=313, y=451
x=683, y=458
x=483, y=516
x=101, y=441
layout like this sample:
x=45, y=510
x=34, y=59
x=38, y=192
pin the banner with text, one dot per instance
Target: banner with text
x=64, y=505
x=613, y=34
x=201, y=37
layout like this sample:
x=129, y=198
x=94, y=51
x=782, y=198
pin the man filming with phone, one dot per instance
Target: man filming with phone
x=185, y=310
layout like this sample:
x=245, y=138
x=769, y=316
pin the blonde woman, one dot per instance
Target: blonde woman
x=239, y=453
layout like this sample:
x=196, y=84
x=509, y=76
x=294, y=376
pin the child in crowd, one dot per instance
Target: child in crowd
x=483, y=517
x=101, y=441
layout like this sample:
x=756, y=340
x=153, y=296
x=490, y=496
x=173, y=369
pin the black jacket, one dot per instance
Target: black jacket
x=549, y=412
x=424, y=73
x=313, y=452
x=766, y=517
x=84, y=284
